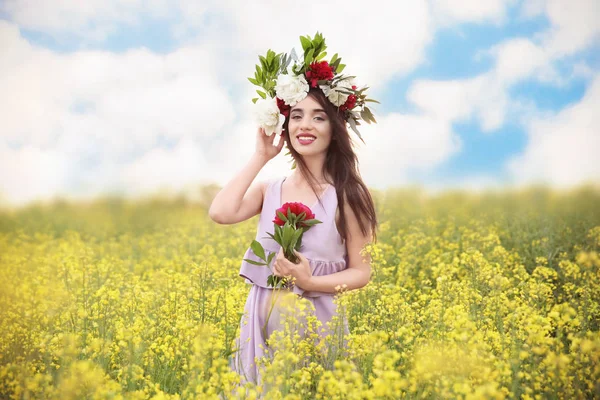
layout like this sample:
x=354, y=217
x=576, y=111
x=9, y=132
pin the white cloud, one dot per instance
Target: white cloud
x=519, y=58
x=486, y=97
x=574, y=25
x=30, y=173
x=167, y=169
x=482, y=97
x=92, y=20
x=98, y=116
x=456, y=11
x=97, y=104
x=399, y=144
x=563, y=149
x=384, y=42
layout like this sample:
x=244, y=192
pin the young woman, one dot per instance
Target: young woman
x=328, y=181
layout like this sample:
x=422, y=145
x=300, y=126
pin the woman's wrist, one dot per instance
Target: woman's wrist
x=260, y=158
x=305, y=284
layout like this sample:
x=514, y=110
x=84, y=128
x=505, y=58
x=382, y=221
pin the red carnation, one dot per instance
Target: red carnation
x=283, y=108
x=319, y=71
x=349, y=104
x=295, y=208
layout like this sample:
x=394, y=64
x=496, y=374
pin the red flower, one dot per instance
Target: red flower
x=295, y=208
x=319, y=71
x=350, y=102
x=283, y=108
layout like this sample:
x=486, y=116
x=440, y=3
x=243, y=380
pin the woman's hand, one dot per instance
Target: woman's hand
x=264, y=144
x=285, y=268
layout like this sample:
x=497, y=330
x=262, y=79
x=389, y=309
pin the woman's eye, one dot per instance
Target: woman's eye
x=320, y=118
x=296, y=117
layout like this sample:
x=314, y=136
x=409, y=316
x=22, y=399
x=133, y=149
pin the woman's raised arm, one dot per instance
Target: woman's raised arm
x=235, y=202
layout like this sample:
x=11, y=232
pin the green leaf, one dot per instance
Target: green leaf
x=293, y=55
x=254, y=100
x=308, y=57
x=298, y=235
x=352, y=123
x=321, y=56
x=305, y=43
x=335, y=64
x=258, y=249
x=287, y=235
x=271, y=256
x=311, y=222
x=254, y=81
x=282, y=216
x=335, y=57
x=365, y=116
x=299, y=242
x=340, y=68
x=373, y=101
x=254, y=262
x=293, y=241
x=262, y=94
x=370, y=116
x=338, y=89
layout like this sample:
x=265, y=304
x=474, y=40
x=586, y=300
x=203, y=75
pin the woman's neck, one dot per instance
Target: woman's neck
x=298, y=179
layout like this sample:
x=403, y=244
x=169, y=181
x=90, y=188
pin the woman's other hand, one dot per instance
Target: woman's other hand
x=301, y=272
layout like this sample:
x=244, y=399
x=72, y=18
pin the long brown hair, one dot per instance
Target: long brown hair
x=341, y=164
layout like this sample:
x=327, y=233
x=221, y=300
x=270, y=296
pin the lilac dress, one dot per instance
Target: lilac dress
x=322, y=245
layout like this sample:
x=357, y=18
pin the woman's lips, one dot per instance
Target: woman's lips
x=304, y=139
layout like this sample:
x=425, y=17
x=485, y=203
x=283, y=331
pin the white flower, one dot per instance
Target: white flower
x=291, y=88
x=268, y=116
x=335, y=96
x=326, y=89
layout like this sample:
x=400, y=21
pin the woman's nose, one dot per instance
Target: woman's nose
x=306, y=122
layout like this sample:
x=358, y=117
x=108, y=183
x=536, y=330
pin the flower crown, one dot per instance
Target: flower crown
x=284, y=85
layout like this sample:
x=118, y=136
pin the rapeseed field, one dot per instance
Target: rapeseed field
x=473, y=296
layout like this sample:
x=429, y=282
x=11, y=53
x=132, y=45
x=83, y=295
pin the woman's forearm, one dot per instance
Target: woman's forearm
x=229, y=199
x=353, y=278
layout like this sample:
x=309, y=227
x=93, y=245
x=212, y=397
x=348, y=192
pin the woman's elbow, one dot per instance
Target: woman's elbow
x=216, y=217
x=365, y=277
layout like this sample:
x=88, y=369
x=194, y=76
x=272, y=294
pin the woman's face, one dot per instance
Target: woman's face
x=308, y=119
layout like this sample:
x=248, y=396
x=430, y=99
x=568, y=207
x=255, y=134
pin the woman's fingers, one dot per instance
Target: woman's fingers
x=280, y=269
x=277, y=270
x=281, y=142
x=280, y=255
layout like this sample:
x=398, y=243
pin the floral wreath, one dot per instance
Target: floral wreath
x=284, y=85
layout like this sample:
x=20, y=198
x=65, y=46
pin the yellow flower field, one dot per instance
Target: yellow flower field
x=473, y=297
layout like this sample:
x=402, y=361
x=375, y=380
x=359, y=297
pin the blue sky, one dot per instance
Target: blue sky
x=133, y=98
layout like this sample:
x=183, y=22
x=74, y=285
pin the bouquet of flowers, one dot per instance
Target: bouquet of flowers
x=291, y=221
